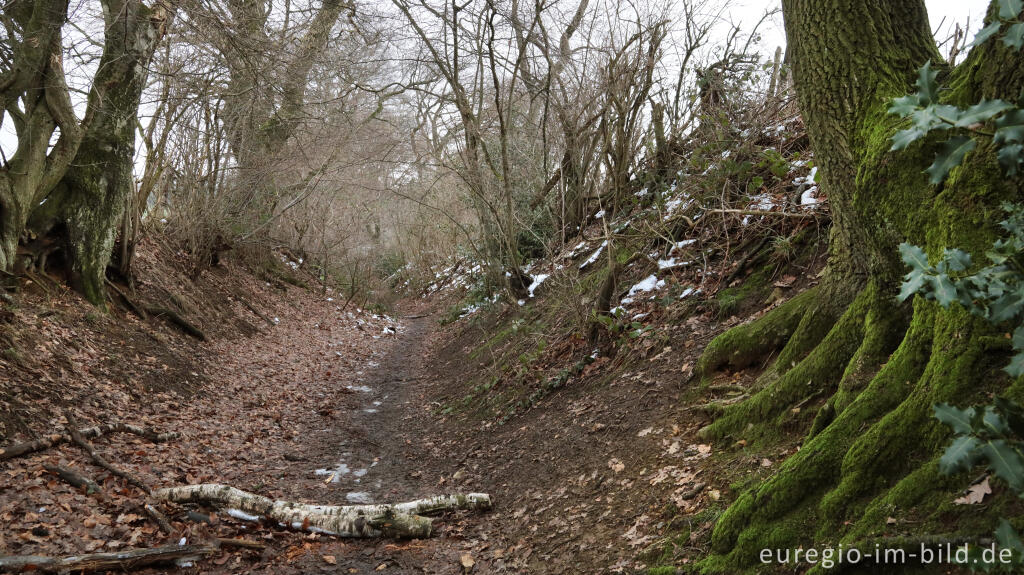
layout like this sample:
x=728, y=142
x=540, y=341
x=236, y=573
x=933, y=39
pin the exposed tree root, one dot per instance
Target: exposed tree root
x=175, y=318
x=873, y=448
x=401, y=520
x=49, y=441
x=116, y=561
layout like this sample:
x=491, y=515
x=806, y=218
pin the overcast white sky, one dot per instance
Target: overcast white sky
x=772, y=34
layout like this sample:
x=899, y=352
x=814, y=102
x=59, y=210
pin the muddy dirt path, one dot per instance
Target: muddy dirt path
x=383, y=454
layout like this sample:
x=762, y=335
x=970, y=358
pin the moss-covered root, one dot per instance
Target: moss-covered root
x=793, y=377
x=782, y=511
x=746, y=344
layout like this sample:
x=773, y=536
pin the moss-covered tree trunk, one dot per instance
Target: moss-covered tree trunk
x=875, y=366
x=85, y=207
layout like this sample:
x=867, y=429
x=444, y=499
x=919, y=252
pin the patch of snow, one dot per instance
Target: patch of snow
x=359, y=497
x=807, y=180
x=670, y=263
x=688, y=291
x=809, y=197
x=593, y=257
x=537, y=280
x=599, y=215
x=647, y=284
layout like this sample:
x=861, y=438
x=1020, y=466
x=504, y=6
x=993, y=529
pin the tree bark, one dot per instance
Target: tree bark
x=873, y=446
x=398, y=520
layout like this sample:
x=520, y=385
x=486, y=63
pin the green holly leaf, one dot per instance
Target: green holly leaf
x=1016, y=367
x=956, y=260
x=1010, y=158
x=904, y=138
x=1015, y=36
x=960, y=456
x=1008, y=305
x=927, y=87
x=985, y=33
x=1009, y=9
x=982, y=112
x=904, y=106
x=1010, y=127
x=1013, y=413
x=950, y=156
x=1007, y=538
x=958, y=419
x=943, y=290
x=995, y=423
x=1005, y=462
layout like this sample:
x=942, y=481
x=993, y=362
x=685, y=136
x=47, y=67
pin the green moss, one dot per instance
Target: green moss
x=731, y=299
x=748, y=343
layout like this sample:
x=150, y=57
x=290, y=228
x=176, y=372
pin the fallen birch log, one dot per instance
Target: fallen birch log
x=400, y=520
x=51, y=440
x=116, y=561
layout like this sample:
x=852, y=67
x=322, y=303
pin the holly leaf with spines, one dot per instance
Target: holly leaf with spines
x=994, y=422
x=1007, y=538
x=904, y=138
x=1016, y=367
x=960, y=456
x=1014, y=37
x=943, y=290
x=949, y=156
x=904, y=106
x=1010, y=158
x=1013, y=413
x=985, y=33
x=1010, y=9
x=927, y=87
x=956, y=260
x=981, y=112
x=1005, y=462
x=1010, y=127
x=958, y=419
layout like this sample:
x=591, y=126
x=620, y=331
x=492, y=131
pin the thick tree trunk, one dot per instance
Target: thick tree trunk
x=872, y=448
x=85, y=208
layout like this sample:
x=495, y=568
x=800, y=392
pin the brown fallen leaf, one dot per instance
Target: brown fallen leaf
x=329, y=559
x=467, y=562
x=975, y=494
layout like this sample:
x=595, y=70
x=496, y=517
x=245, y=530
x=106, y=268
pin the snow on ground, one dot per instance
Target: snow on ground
x=647, y=284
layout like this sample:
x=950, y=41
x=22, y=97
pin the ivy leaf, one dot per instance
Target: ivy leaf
x=1007, y=537
x=1010, y=128
x=1010, y=158
x=985, y=33
x=950, y=156
x=1009, y=9
x=1006, y=462
x=927, y=87
x=904, y=106
x=960, y=456
x=982, y=112
x=958, y=419
x=904, y=138
x=1015, y=36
